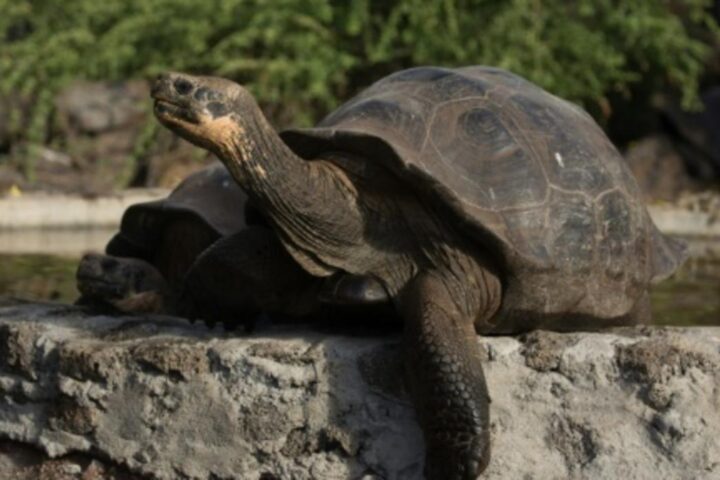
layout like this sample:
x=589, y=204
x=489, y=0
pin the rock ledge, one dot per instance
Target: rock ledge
x=160, y=398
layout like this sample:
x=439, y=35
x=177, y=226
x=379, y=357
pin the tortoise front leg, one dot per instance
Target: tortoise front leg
x=244, y=274
x=444, y=365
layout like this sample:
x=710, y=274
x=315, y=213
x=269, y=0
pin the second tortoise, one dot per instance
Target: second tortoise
x=144, y=264
x=157, y=262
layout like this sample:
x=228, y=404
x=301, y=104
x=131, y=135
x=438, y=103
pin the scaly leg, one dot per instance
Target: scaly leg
x=444, y=365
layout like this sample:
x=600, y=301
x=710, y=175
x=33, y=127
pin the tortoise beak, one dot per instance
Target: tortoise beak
x=165, y=110
x=160, y=87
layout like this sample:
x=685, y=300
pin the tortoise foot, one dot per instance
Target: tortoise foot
x=446, y=461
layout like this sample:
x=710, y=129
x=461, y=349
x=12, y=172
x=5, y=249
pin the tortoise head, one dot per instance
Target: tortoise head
x=129, y=284
x=206, y=111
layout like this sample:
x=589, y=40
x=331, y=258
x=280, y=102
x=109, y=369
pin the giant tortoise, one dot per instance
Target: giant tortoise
x=479, y=201
x=145, y=263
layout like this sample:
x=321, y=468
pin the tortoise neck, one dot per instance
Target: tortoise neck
x=309, y=203
x=259, y=160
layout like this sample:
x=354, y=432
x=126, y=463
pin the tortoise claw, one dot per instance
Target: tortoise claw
x=448, y=463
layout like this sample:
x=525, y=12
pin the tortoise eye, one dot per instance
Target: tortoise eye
x=182, y=86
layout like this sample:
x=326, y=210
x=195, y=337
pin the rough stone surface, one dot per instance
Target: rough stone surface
x=659, y=168
x=98, y=141
x=157, y=397
x=21, y=462
x=98, y=107
x=57, y=211
x=695, y=215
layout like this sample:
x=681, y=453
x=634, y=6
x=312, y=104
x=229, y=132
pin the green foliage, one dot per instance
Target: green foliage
x=578, y=49
x=301, y=57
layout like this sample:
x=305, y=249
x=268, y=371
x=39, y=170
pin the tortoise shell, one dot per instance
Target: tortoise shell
x=529, y=176
x=170, y=233
x=209, y=197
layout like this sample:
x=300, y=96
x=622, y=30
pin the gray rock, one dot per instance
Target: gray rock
x=96, y=107
x=21, y=462
x=659, y=168
x=166, y=399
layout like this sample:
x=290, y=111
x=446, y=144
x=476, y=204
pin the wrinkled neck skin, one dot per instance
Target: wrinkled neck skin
x=312, y=205
x=330, y=217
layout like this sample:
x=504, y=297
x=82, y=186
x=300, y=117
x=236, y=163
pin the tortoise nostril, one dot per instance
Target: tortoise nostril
x=182, y=86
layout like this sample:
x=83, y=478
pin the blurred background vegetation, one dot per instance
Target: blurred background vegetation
x=303, y=57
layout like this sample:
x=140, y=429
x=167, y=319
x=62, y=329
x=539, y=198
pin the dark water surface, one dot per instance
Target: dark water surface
x=690, y=297
x=38, y=277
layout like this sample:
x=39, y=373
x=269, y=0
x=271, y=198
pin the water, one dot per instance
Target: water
x=38, y=277
x=64, y=242
x=690, y=297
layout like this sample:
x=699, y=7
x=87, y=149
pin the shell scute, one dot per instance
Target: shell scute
x=419, y=74
x=618, y=234
x=494, y=168
x=457, y=87
x=573, y=164
x=571, y=232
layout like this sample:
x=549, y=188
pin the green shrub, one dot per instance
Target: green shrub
x=301, y=57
